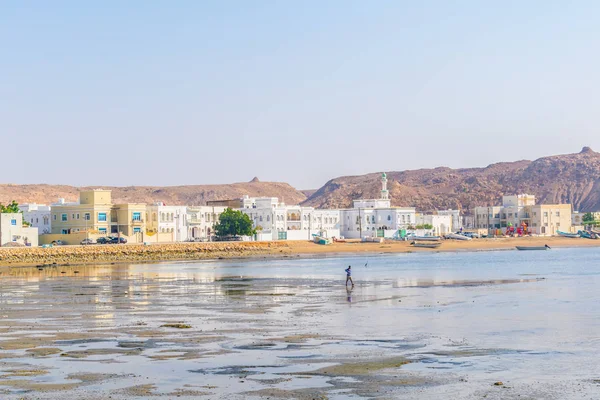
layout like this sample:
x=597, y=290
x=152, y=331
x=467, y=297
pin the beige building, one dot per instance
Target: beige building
x=548, y=219
x=521, y=211
x=95, y=213
x=91, y=214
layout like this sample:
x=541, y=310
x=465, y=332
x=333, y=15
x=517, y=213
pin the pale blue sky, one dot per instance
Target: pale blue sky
x=194, y=92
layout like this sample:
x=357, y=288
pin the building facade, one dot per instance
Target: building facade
x=38, y=216
x=277, y=221
x=201, y=221
x=95, y=213
x=521, y=212
x=376, y=217
x=12, y=231
x=168, y=219
x=456, y=219
x=440, y=224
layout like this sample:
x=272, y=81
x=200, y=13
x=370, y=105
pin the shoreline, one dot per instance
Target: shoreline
x=112, y=254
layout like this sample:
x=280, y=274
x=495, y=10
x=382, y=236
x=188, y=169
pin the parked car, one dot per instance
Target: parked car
x=58, y=243
x=115, y=240
x=87, y=241
x=103, y=240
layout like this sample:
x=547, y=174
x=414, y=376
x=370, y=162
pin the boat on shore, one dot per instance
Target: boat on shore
x=426, y=238
x=427, y=245
x=544, y=247
x=568, y=235
x=457, y=236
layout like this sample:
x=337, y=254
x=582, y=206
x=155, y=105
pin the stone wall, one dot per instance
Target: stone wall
x=135, y=252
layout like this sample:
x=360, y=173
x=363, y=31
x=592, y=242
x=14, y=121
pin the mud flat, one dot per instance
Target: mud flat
x=474, y=325
x=203, y=251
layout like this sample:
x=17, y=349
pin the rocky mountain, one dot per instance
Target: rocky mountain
x=570, y=178
x=171, y=195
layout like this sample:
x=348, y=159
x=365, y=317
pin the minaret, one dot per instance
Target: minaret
x=385, y=194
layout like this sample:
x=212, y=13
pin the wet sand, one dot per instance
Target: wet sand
x=417, y=326
x=230, y=250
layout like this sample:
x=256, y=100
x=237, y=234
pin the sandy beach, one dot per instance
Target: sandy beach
x=62, y=255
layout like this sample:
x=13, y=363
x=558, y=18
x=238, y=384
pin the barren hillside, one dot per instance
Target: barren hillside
x=570, y=178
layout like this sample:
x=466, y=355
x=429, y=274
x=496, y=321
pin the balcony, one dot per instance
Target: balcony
x=137, y=222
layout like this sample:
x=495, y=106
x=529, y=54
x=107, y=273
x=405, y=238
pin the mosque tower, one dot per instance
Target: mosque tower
x=385, y=194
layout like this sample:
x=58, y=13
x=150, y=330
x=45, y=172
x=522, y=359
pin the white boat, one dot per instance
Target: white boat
x=426, y=245
x=426, y=238
x=457, y=236
x=568, y=235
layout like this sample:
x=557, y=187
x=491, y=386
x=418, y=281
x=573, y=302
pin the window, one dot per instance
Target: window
x=137, y=230
x=268, y=218
x=64, y=231
x=558, y=213
x=102, y=230
x=261, y=218
x=389, y=217
x=102, y=217
x=72, y=216
x=86, y=216
x=545, y=213
x=63, y=217
x=77, y=216
x=137, y=216
x=54, y=217
x=13, y=222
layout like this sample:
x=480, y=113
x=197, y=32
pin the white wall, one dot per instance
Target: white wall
x=12, y=230
x=38, y=216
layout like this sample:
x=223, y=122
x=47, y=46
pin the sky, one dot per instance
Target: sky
x=203, y=92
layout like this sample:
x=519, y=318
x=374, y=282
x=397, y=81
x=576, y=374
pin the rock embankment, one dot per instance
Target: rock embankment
x=134, y=252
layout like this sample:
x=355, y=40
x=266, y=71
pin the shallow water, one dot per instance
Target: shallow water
x=288, y=328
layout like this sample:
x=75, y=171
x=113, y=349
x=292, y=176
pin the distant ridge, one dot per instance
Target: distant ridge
x=568, y=178
x=172, y=195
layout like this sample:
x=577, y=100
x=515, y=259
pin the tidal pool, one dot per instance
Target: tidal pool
x=467, y=325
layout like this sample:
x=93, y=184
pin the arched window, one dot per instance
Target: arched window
x=373, y=219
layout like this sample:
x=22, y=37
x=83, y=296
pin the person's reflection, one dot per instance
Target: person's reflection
x=349, y=294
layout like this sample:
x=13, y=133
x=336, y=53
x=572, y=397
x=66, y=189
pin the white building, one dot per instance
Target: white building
x=278, y=221
x=457, y=222
x=168, y=219
x=38, y=216
x=13, y=232
x=201, y=221
x=376, y=217
x=440, y=224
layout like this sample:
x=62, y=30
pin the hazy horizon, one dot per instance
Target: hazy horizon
x=190, y=93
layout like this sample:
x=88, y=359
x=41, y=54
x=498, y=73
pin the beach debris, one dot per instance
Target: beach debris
x=177, y=326
x=499, y=383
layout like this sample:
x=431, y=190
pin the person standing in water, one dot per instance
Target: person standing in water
x=349, y=275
